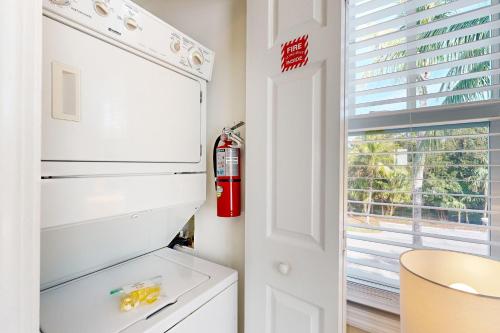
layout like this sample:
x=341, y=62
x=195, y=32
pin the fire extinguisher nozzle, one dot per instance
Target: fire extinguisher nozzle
x=238, y=125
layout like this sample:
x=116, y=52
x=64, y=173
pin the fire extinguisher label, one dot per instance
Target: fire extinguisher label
x=227, y=162
x=232, y=162
x=221, y=162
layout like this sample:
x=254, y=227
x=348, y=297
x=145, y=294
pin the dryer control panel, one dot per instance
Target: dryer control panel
x=126, y=22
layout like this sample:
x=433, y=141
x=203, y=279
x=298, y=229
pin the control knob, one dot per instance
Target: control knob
x=60, y=2
x=196, y=58
x=131, y=24
x=175, y=45
x=101, y=8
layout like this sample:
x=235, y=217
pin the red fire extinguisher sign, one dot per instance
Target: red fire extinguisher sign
x=295, y=53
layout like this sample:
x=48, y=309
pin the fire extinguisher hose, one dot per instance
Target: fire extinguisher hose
x=217, y=141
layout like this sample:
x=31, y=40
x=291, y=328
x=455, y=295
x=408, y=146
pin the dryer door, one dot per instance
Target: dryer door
x=103, y=103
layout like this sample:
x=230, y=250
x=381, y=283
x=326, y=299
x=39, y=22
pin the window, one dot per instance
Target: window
x=421, y=54
x=424, y=136
x=416, y=188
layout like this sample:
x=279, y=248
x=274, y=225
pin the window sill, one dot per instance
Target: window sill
x=372, y=309
x=372, y=320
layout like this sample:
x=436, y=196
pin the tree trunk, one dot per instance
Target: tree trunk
x=418, y=169
x=486, y=200
x=418, y=183
x=369, y=205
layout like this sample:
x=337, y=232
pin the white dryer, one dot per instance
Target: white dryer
x=123, y=169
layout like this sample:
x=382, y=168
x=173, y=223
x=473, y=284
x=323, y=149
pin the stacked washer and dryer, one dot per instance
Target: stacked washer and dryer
x=123, y=169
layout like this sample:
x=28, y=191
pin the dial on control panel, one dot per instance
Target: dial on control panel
x=131, y=24
x=101, y=8
x=60, y=2
x=175, y=45
x=196, y=58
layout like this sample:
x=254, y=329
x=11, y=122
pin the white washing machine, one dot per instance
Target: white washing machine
x=123, y=169
x=197, y=296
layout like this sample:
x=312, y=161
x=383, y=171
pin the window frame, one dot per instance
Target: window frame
x=378, y=296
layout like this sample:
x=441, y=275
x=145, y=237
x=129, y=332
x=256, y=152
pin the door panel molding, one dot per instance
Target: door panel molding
x=282, y=21
x=311, y=232
x=289, y=314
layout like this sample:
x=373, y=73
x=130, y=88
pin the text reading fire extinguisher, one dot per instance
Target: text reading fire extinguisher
x=227, y=172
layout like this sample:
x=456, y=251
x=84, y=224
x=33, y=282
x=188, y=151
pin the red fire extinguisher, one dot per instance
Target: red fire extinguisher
x=226, y=159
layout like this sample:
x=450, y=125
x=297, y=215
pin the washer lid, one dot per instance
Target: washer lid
x=85, y=305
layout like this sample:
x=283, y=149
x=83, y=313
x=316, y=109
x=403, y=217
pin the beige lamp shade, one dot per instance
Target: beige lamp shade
x=449, y=292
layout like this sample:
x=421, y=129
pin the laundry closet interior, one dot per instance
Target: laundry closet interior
x=172, y=166
x=124, y=167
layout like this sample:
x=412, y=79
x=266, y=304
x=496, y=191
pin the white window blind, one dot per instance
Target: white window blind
x=414, y=54
x=424, y=136
x=427, y=187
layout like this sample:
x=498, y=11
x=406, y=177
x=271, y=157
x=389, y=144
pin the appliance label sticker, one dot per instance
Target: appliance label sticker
x=294, y=53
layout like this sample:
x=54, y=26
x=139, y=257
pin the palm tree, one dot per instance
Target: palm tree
x=397, y=184
x=471, y=68
x=420, y=159
x=374, y=166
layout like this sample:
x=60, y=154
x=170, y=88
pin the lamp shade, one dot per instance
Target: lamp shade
x=449, y=292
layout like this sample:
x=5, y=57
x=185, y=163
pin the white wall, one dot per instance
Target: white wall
x=220, y=26
x=20, y=89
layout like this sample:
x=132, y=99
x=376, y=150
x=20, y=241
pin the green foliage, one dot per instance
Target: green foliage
x=453, y=180
x=455, y=174
x=423, y=62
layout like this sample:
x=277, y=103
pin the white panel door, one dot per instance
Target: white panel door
x=294, y=274
x=102, y=103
